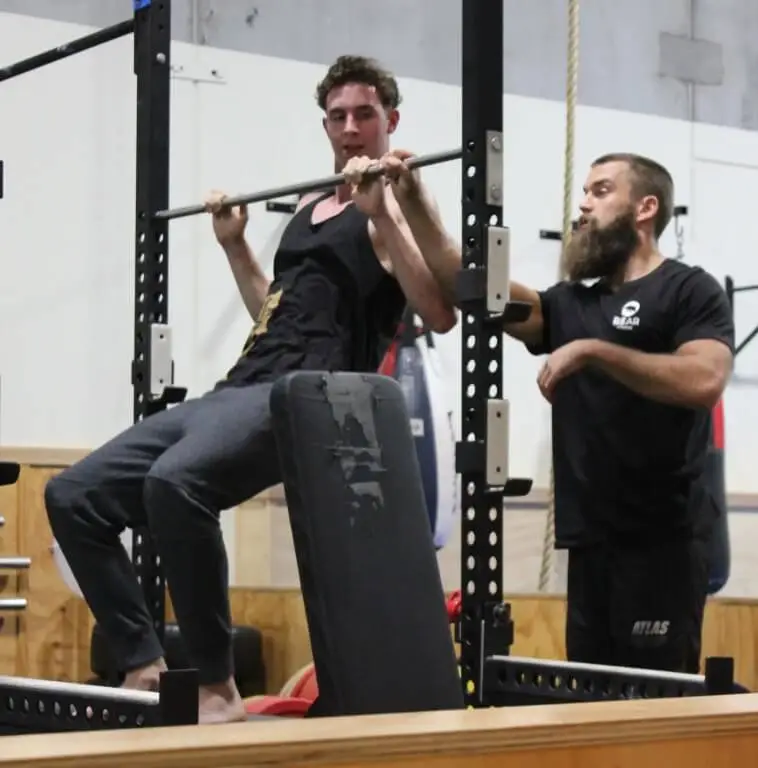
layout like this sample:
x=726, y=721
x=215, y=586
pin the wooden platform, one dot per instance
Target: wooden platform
x=692, y=733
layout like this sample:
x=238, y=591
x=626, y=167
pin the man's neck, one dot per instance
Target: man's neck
x=644, y=260
x=342, y=194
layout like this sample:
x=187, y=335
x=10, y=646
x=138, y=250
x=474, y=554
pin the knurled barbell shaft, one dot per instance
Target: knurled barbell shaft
x=306, y=186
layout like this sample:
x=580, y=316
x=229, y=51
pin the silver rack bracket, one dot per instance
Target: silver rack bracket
x=497, y=442
x=498, y=269
x=494, y=168
x=161, y=360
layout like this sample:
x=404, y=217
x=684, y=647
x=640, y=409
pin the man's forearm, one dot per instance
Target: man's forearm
x=418, y=283
x=252, y=283
x=441, y=252
x=684, y=380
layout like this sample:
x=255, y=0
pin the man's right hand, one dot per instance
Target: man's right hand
x=228, y=222
x=406, y=183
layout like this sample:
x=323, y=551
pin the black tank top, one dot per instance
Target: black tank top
x=331, y=305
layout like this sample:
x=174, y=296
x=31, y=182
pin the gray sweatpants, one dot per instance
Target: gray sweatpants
x=175, y=472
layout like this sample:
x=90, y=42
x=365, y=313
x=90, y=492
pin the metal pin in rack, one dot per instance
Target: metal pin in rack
x=12, y=604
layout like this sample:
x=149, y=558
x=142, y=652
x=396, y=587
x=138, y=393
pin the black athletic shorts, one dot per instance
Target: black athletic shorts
x=638, y=606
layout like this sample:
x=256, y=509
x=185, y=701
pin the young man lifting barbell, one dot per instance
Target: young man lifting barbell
x=347, y=264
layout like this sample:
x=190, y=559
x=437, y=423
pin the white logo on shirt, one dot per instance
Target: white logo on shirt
x=627, y=317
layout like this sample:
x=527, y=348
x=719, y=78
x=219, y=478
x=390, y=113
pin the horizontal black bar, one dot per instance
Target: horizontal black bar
x=517, y=486
x=513, y=681
x=471, y=286
x=67, y=49
x=47, y=706
x=739, y=288
x=275, y=206
x=171, y=395
x=306, y=186
x=681, y=210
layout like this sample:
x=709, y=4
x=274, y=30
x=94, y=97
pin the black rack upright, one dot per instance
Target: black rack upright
x=481, y=342
x=151, y=382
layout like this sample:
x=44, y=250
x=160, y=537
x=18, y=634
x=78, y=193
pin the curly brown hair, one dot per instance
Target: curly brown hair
x=360, y=69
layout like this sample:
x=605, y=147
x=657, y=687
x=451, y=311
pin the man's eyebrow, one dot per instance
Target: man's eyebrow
x=597, y=183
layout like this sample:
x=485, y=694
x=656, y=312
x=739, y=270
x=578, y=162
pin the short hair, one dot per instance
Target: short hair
x=360, y=69
x=648, y=178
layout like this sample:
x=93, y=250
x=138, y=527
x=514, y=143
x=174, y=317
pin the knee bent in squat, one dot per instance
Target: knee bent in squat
x=70, y=500
x=164, y=495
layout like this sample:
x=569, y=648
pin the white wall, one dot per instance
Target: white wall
x=66, y=224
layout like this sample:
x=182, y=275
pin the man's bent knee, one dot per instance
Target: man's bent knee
x=75, y=503
x=63, y=500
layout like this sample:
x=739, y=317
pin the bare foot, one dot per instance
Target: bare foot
x=145, y=678
x=220, y=703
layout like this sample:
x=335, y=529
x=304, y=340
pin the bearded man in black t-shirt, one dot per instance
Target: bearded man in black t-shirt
x=639, y=350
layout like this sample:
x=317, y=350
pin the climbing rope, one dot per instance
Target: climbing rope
x=572, y=78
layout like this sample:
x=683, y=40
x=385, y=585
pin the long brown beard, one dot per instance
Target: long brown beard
x=602, y=252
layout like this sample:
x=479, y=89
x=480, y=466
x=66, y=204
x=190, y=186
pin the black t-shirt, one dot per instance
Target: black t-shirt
x=625, y=466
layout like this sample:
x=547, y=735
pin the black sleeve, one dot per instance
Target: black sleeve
x=550, y=305
x=703, y=312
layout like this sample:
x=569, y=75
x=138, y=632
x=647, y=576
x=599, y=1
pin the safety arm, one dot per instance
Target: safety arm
x=694, y=376
x=252, y=283
x=531, y=330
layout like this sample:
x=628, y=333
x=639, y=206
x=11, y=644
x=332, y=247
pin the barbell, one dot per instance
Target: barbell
x=305, y=187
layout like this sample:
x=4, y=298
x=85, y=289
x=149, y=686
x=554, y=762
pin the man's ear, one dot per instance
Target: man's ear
x=647, y=208
x=393, y=118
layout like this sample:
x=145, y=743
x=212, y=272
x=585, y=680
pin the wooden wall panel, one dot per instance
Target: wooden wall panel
x=52, y=640
x=53, y=617
x=11, y=584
